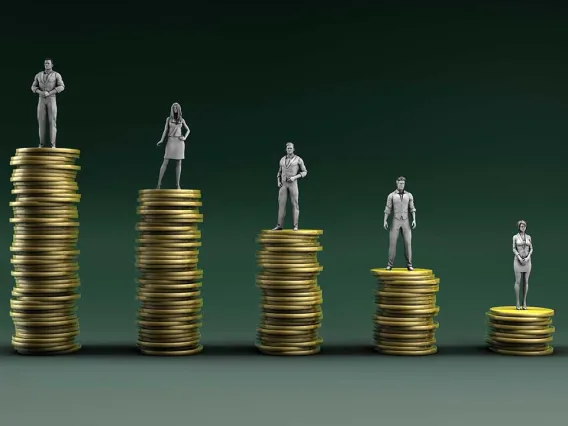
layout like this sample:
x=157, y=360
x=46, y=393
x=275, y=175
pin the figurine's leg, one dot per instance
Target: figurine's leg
x=407, y=236
x=178, y=174
x=162, y=171
x=518, y=278
x=393, y=238
x=295, y=199
x=52, y=119
x=526, y=288
x=282, y=200
x=41, y=120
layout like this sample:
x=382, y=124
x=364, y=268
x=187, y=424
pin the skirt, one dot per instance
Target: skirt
x=521, y=268
x=175, y=149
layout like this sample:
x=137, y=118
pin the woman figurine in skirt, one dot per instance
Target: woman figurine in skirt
x=523, y=250
x=175, y=146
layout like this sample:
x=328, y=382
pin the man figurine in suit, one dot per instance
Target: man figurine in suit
x=47, y=84
x=290, y=170
x=401, y=204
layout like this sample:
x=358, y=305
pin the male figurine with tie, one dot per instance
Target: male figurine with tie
x=400, y=203
x=290, y=170
x=47, y=84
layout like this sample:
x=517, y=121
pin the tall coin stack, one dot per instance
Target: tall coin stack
x=44, y=247
x=520, y=332
x=169, y=292
x=406, y=307
x=291, y=297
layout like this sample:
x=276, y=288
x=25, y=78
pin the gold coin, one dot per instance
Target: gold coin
x=264, y=253
x=43, y=177
x=188, y=343
x=167, y=312
x=192, y=288
x=286, y=332
x=44, y=274
x=27, y=335
x=406, y=343
x=170, y=325
x=43, y=201
x=167, y=245
x=532, y=312
x=289, y=327
x=492, y=334
x=289, y=232
x=524, y=328
x=299, y=270
x=164, y=263
x=158, y=192
x=58, y=323
x=519, y=319
x=268, y=351
x=44, y=290
x=423, y=309
x=293, y=316
x=547, y=351
x=528, y=341
x=157, y=202
x=173, y=276
x=40, y=159
x=286, y=267
x=54, y=350
x=412, y=283
x=411, y=290
x=68, y=152
x=284, y=346
x=424, y=335
x=383, y=272
x=193, y=351
x=186, y=213
x=166, y=237
x=404, y=352
x=297, y=307
x=143, y=227
x=293, y=300
x=37, y=165
x=274, y=249
x=48, y=282
x=190, y=283
x=286, y=262
x=40, y=343
x=408, y=326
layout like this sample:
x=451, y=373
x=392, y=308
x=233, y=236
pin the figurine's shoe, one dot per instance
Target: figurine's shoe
x=388, y=268
x=518, y=308
x=40, y=146
x=524, y=308
x=296, y=228
x=53, y=146
x=277, y=228
x=410, y=268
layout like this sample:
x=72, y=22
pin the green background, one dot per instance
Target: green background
x=468, y=103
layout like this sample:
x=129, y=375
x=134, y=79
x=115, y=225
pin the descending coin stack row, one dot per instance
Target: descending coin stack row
x=520, y=332
x=291, y=297
x=406, y=307
x=169, y=317
x=46, y=232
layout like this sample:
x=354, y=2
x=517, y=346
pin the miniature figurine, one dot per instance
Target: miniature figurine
x=291, y=169
x=401, y=204
x=47, y=84
x=523, y=250
x=175, y=145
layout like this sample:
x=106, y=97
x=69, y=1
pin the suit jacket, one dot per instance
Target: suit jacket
x=292, y=167
x=400, y=206
x=48, y=82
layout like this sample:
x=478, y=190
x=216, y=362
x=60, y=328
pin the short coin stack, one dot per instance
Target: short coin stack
x=44, y=247
x=520, y=332
x=291, y=297
x=406, y=307
x=169, y=317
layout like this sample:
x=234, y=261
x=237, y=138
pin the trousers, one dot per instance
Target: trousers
x=292, y=189
x=399, y=226
x=47, y=115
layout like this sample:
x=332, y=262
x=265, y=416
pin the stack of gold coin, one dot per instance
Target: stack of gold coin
x=169, y=318
x=520, y=332
x=44, y=248
x=291, y=297
x=406, y=307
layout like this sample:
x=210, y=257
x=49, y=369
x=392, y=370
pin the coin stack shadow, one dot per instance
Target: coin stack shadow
x=520, y=332
x=44, y=251
x=406, y=307
x=291, y=296
x=169, y=317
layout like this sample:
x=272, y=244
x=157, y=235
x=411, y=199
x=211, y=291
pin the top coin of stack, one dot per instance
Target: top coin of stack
x=520, y=332
x=169, y=318
x=46, y=232
x=291, y=297
x=406, y=307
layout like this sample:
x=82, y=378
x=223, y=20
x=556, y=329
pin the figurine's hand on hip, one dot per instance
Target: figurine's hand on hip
x=290, y=179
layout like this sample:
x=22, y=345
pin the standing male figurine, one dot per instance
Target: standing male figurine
x=290, y=170
x=401, y=204
x=47, y=84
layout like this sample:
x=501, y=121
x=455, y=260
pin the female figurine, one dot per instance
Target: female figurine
x=175, y=146
x=523, y=250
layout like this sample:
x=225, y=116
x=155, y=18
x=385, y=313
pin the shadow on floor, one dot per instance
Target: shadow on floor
x=248, y=350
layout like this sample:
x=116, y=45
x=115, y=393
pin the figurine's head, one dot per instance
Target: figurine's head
x=175, y=112
x=48, y=64
x=401, y=183
x=522, y=226
x=289, y=148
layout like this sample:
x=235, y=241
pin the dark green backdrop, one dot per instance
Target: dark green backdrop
x=468, y=103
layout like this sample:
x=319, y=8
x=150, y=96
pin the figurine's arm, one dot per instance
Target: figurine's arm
x=531, y=249
x=412, y=208
x=303, y=171
x=59, y=85
x=165, y=130
x=187, y=130
x=35, y=86
x=515, y=247
x=388, y=207
x=279, y=174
